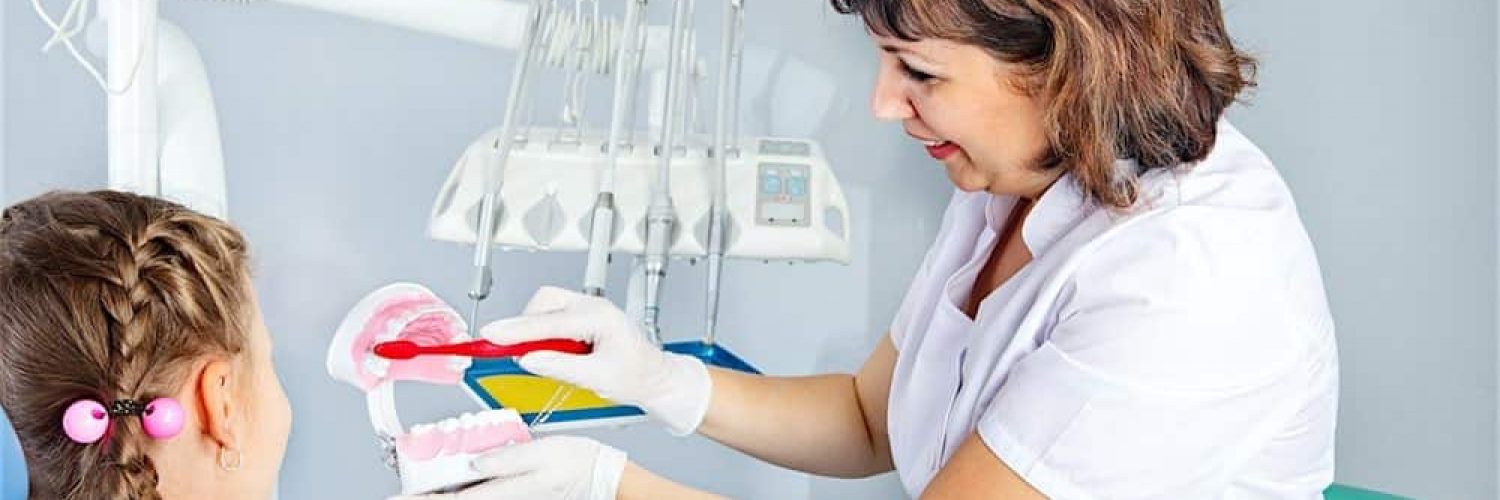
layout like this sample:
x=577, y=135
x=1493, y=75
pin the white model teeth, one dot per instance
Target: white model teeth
x=489, y=417
x=933, y=144
x=468, y=421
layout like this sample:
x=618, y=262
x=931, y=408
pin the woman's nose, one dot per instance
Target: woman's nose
x=890, y=101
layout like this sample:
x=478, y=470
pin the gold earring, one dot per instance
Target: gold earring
x=226, y=464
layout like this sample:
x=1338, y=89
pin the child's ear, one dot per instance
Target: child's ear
x=216, y=386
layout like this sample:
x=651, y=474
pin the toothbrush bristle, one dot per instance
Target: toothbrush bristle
x=396, y=350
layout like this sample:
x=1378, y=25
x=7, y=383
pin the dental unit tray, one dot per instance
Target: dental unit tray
x=501, y=384
x=783, y=200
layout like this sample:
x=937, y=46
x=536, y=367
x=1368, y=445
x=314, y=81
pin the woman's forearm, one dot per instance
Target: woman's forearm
x=637, y=483
x=812, y=424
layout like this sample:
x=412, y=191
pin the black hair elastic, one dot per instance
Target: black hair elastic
x=126, y=408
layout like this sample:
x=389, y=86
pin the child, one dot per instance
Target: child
x=134, y=363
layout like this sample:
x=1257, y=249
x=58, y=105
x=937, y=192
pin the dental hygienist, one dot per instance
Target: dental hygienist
x=1121, y=301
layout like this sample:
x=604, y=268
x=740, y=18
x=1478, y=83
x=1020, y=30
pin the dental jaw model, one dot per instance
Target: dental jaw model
x=429, y=457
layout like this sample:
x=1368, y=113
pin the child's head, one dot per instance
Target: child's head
x=118, y=298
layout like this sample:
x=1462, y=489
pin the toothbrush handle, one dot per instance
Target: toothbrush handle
x=487, y=349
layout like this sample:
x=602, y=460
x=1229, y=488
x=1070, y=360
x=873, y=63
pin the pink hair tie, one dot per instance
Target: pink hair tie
x=86, y=420
x=163, y=418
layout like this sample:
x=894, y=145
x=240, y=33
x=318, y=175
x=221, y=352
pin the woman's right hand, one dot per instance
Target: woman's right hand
x=624, y=366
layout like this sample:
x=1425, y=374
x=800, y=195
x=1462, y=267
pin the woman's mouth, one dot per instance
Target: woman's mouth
x=940, y=149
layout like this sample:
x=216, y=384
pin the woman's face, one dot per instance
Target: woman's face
x=969, y=111
x=270, y=415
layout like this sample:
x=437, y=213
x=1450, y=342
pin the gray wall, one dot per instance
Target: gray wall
x=337, y=133
x=1382, y=118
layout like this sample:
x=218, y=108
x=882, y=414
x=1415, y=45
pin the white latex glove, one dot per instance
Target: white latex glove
x=624, y=367
x=560, y=467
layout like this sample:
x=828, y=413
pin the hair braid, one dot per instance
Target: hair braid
x=108, y=296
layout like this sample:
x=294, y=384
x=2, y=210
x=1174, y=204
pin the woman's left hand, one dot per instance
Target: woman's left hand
x=563, y=467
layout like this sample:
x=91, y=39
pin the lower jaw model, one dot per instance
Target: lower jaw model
x=432, y=457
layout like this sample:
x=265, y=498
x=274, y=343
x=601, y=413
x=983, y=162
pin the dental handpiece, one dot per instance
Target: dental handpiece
x=602, y=222
x=494, y=166
x=479, y=287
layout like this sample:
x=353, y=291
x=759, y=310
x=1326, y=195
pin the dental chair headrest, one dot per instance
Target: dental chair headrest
x=12, y=463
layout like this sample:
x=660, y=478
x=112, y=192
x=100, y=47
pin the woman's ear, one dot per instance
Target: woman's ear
x=216, y=388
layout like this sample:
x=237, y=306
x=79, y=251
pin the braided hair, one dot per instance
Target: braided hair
x=109, y=296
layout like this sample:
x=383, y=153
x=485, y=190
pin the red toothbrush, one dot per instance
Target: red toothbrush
x=406, y=349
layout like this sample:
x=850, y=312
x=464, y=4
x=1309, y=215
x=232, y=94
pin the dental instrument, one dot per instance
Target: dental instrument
x=661, y=217
x=479, y=287
x=729, y=55
x=603, y=218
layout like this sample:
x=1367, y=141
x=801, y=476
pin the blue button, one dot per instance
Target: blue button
x=796, y=186
x=771, y=184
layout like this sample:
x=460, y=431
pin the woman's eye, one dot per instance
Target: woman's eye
x=915, y=74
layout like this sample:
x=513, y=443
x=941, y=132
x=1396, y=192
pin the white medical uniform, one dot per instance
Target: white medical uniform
x=1181, y=349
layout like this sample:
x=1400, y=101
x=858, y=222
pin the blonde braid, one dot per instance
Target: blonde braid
x=125, y=292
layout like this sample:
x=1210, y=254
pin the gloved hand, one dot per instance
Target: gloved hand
x=624, y=366
x=561, y=467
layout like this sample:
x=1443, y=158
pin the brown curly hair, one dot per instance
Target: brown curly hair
x=109, y=296
x=1142, y=80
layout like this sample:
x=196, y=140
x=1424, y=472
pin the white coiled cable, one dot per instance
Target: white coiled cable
x=73, y=22
x=573, y=41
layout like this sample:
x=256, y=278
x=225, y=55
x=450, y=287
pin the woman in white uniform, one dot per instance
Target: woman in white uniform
x=1121, y=301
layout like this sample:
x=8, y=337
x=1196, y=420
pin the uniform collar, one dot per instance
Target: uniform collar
x=1059, y=209
x=1062, y=207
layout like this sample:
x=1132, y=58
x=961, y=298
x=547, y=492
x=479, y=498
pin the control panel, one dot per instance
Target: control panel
x=782, y=197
